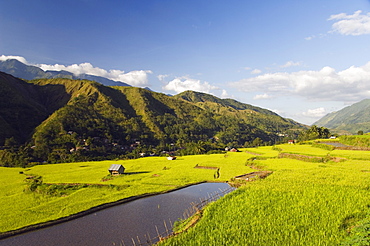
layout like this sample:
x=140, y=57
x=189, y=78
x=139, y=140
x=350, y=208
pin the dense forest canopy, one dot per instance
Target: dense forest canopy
x=64, y=120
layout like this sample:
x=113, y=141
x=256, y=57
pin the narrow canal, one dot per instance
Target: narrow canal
x=137, y=220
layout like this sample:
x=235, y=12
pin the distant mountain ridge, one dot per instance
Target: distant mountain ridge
x=28, y=72
x=199, y=97
x=59, y=120
x=352, y=119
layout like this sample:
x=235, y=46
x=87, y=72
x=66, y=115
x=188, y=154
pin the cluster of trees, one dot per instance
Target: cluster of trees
x=314, y=132
x=71, y=137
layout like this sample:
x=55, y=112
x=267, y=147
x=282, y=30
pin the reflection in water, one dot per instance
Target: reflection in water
x=119, y=224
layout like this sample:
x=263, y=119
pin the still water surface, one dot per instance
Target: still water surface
x=119, y=224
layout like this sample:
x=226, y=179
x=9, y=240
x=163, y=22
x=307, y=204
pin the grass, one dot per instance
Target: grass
x=301, y=203
x=147, y=175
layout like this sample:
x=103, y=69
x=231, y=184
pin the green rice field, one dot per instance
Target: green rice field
x=300, y=203
x=142, y=176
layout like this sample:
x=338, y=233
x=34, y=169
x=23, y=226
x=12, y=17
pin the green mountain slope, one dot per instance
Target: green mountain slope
x=61, y=120
x=199, y=97
x=261, y=118
x=353, y=118
x=20, y=109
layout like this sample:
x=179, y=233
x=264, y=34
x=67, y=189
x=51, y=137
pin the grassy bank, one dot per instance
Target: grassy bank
x=147, y=175
x=301, y=203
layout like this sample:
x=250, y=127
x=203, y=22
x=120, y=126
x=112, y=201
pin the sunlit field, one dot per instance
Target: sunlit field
x=142, y=176
x=301, y=203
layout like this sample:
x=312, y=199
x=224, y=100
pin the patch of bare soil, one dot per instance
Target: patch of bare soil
x=311, y=158
x=254, y=175
x=338, y=159
x=205, y=167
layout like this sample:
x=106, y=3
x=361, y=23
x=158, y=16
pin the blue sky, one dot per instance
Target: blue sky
x=301, y=59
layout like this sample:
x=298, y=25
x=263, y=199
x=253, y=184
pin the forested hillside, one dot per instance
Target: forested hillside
x=352, y=119
x=63, y=120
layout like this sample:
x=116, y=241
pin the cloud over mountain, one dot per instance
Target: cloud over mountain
x=19, y=58
x=134, y=78
x=351, y=84
x=137, y=78
x=182, y=84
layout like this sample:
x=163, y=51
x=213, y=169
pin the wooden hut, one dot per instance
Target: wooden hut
x=116, y=169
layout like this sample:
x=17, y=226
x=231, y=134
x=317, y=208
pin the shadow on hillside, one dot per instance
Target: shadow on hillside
x=132, y=173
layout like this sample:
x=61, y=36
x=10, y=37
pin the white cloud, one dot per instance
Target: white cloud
x=315, y=113
x=134, y=78
x=161, y=77
x=351, y=85
x=356, y=24
x=262, y=96
x=290, y=64
x=310, y=37
x=224, y=94
x=256, y=71
x=184, y=83
x=76, y=69
x=19, y=58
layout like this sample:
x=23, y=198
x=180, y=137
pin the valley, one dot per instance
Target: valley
x=303, y=202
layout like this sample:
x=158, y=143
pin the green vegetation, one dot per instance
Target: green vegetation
x=47, y=192
x=314, y=133
x=353, y=119
x=64, y=120
x=360, y=235
x=356, y=140
x=301, y=203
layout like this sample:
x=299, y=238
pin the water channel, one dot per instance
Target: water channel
x=120, y=225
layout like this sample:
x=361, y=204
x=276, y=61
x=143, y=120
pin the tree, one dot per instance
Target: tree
x=257, y=142
x=314, y=132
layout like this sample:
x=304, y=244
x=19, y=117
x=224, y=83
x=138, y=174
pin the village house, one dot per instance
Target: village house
x=116, y=169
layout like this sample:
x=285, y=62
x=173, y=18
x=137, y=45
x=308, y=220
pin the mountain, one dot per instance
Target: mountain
x=352, y=119
x=20, y=108
x=256, y=116
x=62, y=120
x=21, y=70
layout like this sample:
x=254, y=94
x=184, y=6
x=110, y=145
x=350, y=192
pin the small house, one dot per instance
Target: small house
x=116, y=169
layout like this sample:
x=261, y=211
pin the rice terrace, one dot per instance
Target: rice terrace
x=321, y=200
x=185, y=123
